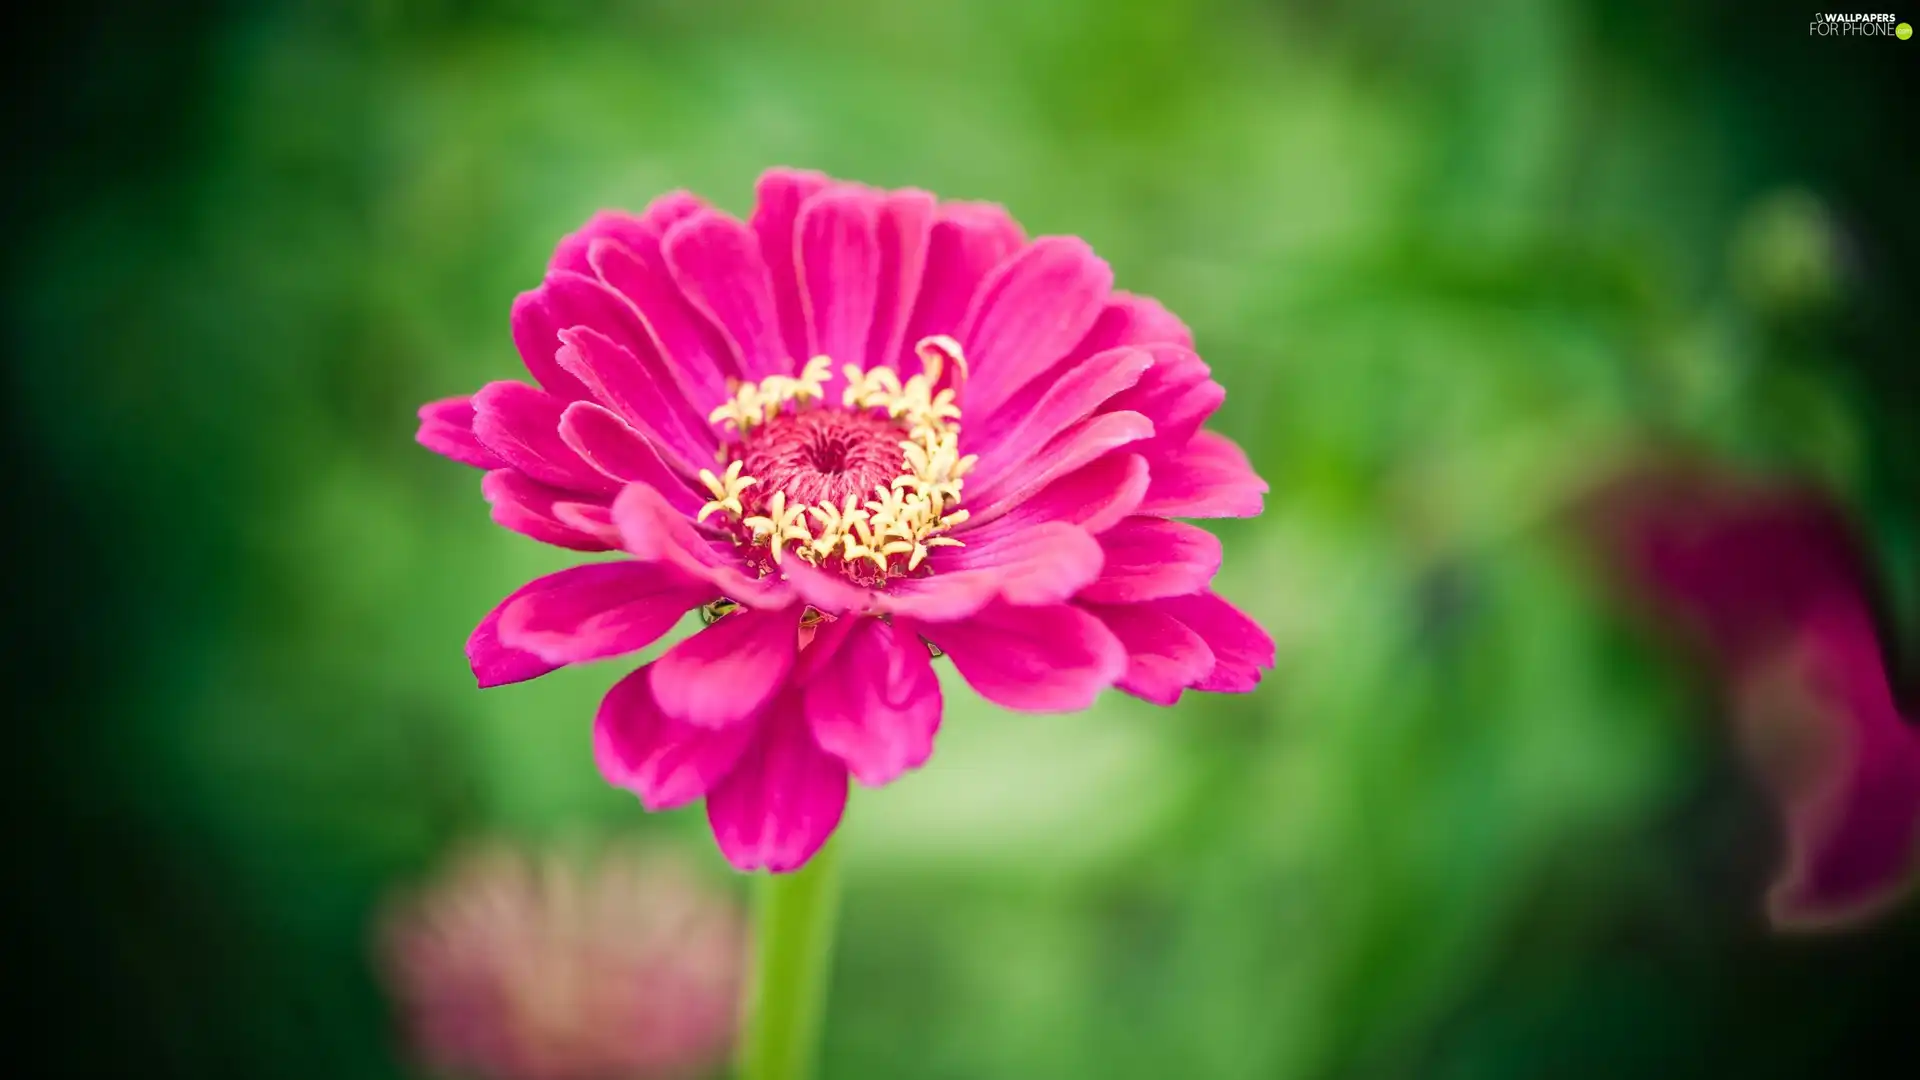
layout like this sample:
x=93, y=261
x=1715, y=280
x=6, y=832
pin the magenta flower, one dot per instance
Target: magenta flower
x=859, y=423
x=1773, y=590
x=517, y=968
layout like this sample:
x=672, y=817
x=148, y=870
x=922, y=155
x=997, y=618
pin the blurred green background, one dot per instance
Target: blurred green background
x=1447, y=259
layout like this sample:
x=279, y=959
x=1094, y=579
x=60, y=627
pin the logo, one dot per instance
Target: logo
x=1831, y=24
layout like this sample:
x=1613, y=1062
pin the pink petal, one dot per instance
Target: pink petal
x=618, y=226
x=496, y=663
x=727, y=673
x=1096, y=497
x=536, y=334
x=1208, y=478
x=594, y=519
x=1128, y=319
x=1819, y=721
x=966, y=242
x=826, y=590
x=607, y=443
x=1070, y=451
x=1041, y=411
x=522, y=426
x=651, y=530
x=1037, y=566
x=599, y=610
x=782, y=800
x=529, y=508
x=1147, y=558
x=1853, y=858
x=567, y=300
x=697, y=354
x=1034, y=659
x=1695, y=545
x=446, y=428
x=1129, y=322
x=717, y=264
x=1164, y=656
x=818, y=647
x=1241, y=650
x=1028, y=315
x=876, y=706
x=665, y=762
x=1178, y=394
x=840, y=272
x=642, y=394
x=776, y=214
x=906, y=226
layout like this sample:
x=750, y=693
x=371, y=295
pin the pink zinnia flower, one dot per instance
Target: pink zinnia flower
x=860, y=422
x=1773, y=590
x=521, y=968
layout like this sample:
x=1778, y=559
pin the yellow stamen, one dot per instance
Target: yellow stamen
x=811, y=386
x=779, y=524
x=834, y=522
x=725, y=491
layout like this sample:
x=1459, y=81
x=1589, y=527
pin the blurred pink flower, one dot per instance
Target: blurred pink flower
x=516, y=968
x=860, y=422
x=1771, y=587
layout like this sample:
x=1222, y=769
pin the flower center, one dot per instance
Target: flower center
x=823, y=455
x=866, y=488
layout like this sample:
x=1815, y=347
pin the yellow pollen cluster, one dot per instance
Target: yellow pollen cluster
x=927, y=415
x=905, y=518
x=726, y=490
x=754, y=404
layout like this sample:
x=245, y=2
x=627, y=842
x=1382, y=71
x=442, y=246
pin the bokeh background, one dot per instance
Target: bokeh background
x=1448, y=259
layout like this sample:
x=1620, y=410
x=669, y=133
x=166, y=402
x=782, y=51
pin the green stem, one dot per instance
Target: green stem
x=785, y=996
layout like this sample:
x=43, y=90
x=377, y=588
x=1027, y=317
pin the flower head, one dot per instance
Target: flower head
x=874, y=425
x=1772, y=589
x=517, y=968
